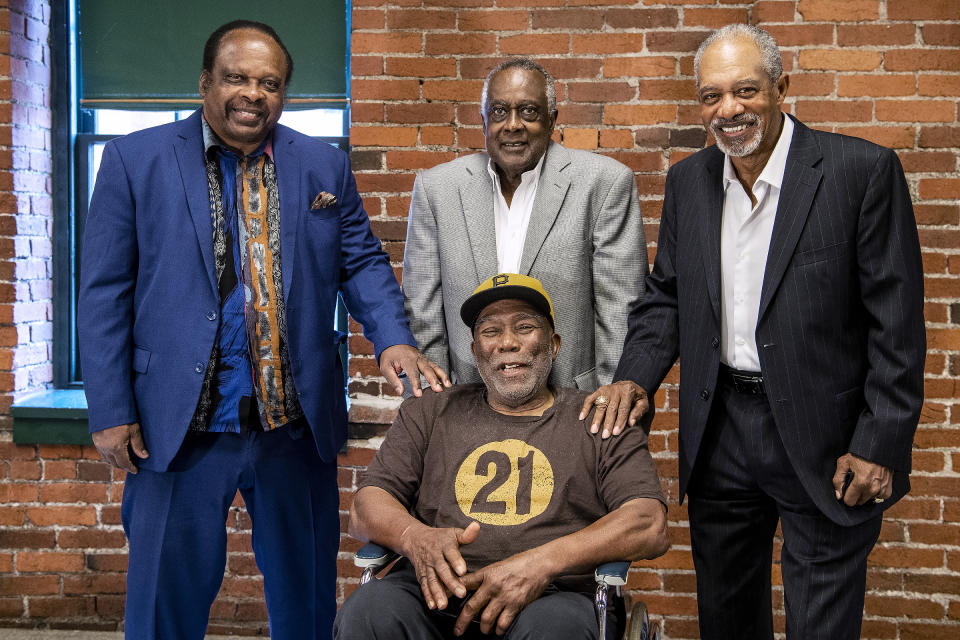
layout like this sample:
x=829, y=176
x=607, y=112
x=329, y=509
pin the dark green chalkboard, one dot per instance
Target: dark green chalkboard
x=136, y=50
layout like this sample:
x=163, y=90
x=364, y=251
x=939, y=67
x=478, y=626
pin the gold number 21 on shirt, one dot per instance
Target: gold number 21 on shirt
x=504, y=483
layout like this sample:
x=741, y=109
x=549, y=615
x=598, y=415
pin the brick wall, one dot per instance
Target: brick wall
x=886, y=70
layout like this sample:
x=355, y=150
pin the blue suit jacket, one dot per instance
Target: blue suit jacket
x=148, y=305
x=840, y=331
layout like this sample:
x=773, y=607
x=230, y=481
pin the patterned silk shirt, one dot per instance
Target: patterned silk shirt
x=248, y=384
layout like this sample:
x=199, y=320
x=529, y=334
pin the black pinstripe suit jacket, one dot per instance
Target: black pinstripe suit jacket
x=840, y=331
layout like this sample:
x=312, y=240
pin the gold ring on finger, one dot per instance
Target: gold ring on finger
x=601, y=401
x=878, y=499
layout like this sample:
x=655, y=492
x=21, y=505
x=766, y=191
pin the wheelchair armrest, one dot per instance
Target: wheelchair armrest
x=373, y=555
x=612, y=574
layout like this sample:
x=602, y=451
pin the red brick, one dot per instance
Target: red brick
x=916, y=110
x=419, y=112
x=49, y=562
x=95, y=583
x=922, y=59
x=486, y=20
x=841, y=60
x=386, y=42
x=899, y=556
x=832, y=11
x=881, y=84
x=385, y=89
x=67, y=516
x=383, y=136
x=82, y=492
x=29, y=585
x=421, y=19
x=713, y=18
x=436, y=136
x=682, y=41
x=641, y=18
x=419, y=67
x=812, y=84
x=616, y=138
x=580, y=138
x=667, y=90
x=766, y=11
x=928, y=161
x=601, y=91
x=941, y=34
x=460, y=43
x=939, y=85
x=875, y=34
x=902, y=607
x=452, y=89
x=940, y=136
x=567, y=19
x=367, y=19
x=927, y=10
x=936, y=214
x=607, y=43
x=638, y=114
x=644, y=66
x=91, y=538
x=791, y=35
x=939, y=189
x=535, y=44
x=833, y=111
x=887, y=136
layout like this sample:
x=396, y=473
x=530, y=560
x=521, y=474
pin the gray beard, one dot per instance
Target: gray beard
x=741, y=149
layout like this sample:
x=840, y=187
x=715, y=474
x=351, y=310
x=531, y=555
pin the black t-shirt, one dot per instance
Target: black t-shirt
x=450, y=459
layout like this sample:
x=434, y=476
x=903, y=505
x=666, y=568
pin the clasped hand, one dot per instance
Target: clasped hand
x=502, y=589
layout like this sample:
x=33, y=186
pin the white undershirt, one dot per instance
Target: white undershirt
x=744, y=243
x=512, y=220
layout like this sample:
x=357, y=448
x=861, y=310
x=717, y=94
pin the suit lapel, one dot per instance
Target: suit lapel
x=193, y=175
x=711, y=197
x=288, y=184
x=800, y=182
x=476, y=199
x=551, y=190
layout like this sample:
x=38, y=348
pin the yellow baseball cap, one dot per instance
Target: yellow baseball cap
x=506, y=286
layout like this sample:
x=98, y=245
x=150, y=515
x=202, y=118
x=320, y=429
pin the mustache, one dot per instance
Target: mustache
x=743, y=118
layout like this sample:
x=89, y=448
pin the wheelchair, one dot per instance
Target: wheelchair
x=372, y=558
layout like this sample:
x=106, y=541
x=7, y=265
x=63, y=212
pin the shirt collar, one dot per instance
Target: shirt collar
x=211, y=141
x=532, y=176
x=773, y=171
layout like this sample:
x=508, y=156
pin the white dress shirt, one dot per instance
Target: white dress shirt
x=744, y=243
x=512, y=220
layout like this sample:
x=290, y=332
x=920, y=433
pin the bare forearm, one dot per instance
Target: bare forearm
x=635, y=531
x=377, y=516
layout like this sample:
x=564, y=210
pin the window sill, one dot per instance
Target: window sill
x=57, y=416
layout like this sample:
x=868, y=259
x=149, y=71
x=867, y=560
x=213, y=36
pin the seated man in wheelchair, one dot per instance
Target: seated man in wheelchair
x=498, y=497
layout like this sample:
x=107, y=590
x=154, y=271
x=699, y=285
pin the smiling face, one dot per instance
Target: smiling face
x=243, y=93
x=516, y=123
x=514, y=346
x=739, y=104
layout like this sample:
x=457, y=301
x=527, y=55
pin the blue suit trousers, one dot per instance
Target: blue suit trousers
x=174, y=521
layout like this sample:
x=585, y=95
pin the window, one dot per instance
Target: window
x=120, y=66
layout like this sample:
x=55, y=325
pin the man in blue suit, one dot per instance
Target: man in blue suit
x=788, y=280
x=213, y=254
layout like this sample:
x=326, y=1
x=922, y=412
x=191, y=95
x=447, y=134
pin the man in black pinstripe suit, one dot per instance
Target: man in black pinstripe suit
x=788, y=281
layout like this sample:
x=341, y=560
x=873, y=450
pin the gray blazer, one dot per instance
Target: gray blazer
x=585, y=243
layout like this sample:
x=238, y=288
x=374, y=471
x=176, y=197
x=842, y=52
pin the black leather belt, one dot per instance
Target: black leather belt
x=748, y=382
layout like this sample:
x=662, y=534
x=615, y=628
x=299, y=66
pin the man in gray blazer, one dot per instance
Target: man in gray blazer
x=528, y=205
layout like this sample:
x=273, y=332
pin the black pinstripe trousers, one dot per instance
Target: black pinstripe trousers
x=743, y=483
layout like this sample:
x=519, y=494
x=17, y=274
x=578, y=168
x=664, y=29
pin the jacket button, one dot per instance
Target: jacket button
x=715, y=343
x=704, y=394
x=211, y=315
x=199, y=368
